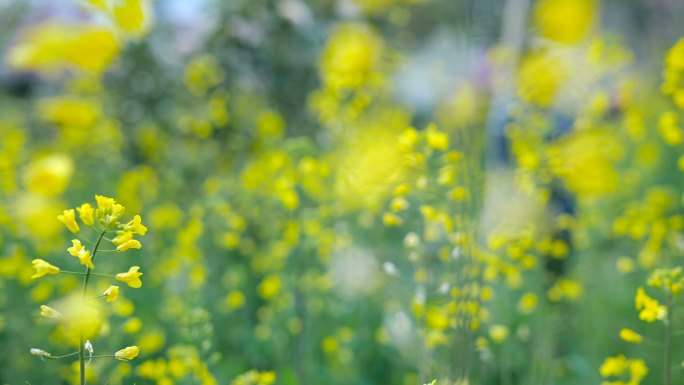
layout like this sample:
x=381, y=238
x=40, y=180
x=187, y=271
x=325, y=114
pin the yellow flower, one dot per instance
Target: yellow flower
x=650, y=308
x=135, y=226
x=133, y=16
x=127, y=353
x=42, y=268
x=112, y=293
x=498, y=333
x=629, y=335
x=108, y=211
x=50, y=175
x=69, y=220
x=131, y=278
x=50, y=47
x=83, y=255
x=85, y=212
x=436, y=139
x=125, y=241
x=48, y=312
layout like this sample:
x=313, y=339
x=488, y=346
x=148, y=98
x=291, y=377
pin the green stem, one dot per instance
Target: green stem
x=667, y=360
x=81, y=346
x=64, y=356
x=91, y=273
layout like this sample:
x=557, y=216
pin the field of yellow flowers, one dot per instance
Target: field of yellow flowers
x=341, y=192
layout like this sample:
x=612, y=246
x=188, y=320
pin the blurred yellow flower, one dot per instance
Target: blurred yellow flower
x=629, y=335
x=42, y=268
x=49, y=175
x=269, y=287
x=565, y=21
x=127, y=353
x=51, y=47
x=48, y=312
x=498, y=333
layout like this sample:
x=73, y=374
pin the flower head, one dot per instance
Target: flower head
x=131, y=278
x=83, y=255
x=43, y=268
x=135, y=226
x=112, y=293
x=85, y=212
x=629, y=335
x=108, y=211
x=127, y=353
x=125, y=241
x=68, y=217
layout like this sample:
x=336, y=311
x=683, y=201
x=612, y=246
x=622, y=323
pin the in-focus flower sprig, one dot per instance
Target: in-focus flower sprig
x=104, y=219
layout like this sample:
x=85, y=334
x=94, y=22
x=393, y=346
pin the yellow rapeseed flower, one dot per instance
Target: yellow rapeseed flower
x=68, y=217
x=127, y=353
x=85, y=212
x=112, y=293
x=131, y=278
x=51, y=47
x=135, y=226
x=42, y=268
x=629, y=335
x=83, y=255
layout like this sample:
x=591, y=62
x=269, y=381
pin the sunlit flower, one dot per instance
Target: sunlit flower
x=131, y=278
x=69, y=220
x=43, y=268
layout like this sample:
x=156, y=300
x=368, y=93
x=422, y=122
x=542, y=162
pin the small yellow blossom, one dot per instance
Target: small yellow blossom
x=108, y=211
x=85, y=212
x=629, y=335
x=132, y=244
x=135, y=226
x=42, y=268
x=127, y=353
x=131, y=278
x=83, y=255
x=112, y=293
x=498, y=333
x=48, y=312
x=650, y=309
x=69, y=220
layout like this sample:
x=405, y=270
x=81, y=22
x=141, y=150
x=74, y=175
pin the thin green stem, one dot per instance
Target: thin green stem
x=91, y=273
x=667, y=360
x=81, y=346
x=64, y=356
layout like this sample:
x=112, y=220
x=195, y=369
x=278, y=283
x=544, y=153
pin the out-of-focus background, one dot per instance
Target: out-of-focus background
x=366, y=192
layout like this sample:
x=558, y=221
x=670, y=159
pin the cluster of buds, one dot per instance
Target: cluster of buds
x=105, y=221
